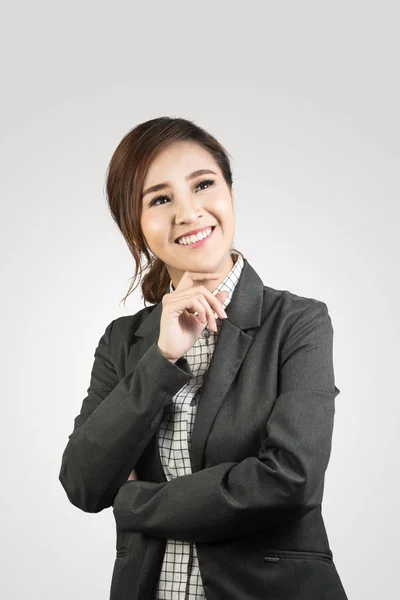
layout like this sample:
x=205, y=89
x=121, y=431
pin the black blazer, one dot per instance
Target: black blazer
x=261, y=444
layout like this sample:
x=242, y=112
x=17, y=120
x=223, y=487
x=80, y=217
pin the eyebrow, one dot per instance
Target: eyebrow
x=161, y=186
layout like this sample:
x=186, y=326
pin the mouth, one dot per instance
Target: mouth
x=198, y=242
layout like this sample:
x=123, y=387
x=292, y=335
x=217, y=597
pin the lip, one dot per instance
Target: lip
x=193, y=232
x=200, y=242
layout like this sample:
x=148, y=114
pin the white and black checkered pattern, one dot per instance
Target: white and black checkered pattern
x=180, y=577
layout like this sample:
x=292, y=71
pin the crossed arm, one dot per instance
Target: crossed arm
x=285, y=480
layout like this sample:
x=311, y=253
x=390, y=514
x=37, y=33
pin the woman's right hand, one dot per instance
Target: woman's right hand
x=179, y=327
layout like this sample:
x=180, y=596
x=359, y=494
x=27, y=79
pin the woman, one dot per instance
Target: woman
x=208, y=421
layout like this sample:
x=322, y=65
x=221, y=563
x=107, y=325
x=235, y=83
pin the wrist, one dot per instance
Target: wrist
x=173, y=360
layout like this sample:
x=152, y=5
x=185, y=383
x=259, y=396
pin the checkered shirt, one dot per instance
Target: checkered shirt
x=180, y=577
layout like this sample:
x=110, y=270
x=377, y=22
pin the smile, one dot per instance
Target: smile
x=194, y=241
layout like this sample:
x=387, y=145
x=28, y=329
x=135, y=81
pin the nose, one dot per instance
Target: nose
x=186, y=211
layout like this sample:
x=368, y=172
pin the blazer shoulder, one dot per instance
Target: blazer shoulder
x=289, y=306
x=292, y=301
x=122, y=330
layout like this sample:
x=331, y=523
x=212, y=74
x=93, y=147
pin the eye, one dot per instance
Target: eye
x=157, y=199
x=208, y=181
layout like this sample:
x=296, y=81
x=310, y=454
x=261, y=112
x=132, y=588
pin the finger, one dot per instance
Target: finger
x=211, y=301
x=214, y=302
x=209, y=313
x=189, y=277
x=196, y=275
x=203, y=311
x=181, y=300
x=199, y=309
x=207, y=300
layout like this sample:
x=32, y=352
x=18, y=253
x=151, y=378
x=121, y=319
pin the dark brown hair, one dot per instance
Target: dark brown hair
x=124, y=182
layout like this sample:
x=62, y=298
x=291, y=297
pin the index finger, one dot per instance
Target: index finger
x=190, y=276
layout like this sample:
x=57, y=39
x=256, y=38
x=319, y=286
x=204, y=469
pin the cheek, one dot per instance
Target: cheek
x=154, y=230
x=223, y=208
x=149, y=226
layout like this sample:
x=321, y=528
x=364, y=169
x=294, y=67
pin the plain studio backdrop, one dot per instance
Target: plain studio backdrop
x=305, y=97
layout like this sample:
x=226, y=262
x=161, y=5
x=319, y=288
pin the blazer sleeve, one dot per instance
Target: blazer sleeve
x=116, y=421
x=285, y=480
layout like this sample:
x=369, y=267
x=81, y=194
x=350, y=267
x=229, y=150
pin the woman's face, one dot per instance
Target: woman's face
x=185, y=204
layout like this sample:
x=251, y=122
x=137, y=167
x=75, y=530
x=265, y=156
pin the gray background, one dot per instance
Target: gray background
x=305, y=96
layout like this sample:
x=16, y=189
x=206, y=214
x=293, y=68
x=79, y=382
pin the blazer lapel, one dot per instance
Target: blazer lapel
x=235, y=337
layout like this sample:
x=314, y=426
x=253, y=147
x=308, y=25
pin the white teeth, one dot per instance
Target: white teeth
x=195, y=238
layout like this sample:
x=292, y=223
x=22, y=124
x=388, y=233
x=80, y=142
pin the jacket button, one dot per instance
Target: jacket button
x=205, y=333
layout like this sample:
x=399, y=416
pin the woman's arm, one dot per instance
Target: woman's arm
x=285, y=480
x=116, y=422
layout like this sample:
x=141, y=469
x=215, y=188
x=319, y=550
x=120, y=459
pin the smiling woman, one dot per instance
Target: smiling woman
x=192, y=170
x=208, y=420
x=192, y=204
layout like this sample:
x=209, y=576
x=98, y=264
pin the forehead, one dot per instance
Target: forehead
x=177, y=160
